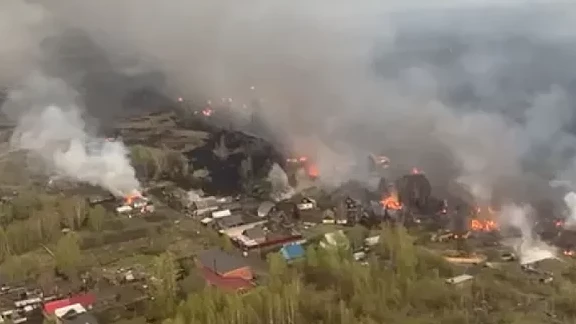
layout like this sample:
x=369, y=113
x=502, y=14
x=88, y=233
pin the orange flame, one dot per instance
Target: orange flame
x=129, y=199
x=392, y=202
x=480, y=225
x=569, y=253
x=484, y=220
x=415, y=171
x=312, y=171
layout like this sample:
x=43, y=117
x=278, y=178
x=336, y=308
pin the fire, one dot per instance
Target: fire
x=569, y=253
x=483, y=225
x=484, y=220
x=207, y=112
x=129, y=199
x=416, y=171
x=312, y=171
x=391, y=202
x=180, y=99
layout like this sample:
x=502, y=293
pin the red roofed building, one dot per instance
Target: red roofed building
x=86, y=300
x=233, y=284
x=225, y=270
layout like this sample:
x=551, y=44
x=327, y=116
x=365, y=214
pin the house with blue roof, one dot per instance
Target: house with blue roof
x=292, y=251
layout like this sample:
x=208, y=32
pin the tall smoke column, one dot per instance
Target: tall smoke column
x=570, y=200
x=50, y=124
x=281, y=188
x=530, y=248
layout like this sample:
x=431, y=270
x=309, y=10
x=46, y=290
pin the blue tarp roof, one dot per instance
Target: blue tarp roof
x=292, y=251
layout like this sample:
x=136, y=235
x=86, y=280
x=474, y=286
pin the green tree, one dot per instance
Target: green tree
x=163, y=286
x=67, y=254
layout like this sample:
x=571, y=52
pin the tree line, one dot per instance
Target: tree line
x=400, y=283
x=33, y=219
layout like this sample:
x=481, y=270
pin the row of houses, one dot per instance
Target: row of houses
x=33, y=308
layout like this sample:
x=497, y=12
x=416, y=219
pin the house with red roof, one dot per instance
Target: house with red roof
x=225, y=270
x=85, y=300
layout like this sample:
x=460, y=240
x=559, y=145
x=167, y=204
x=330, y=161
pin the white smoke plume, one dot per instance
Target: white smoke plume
x=529, y=247
x=47, y=110
x=570, y=201
x=50, y=124
x=281, y=189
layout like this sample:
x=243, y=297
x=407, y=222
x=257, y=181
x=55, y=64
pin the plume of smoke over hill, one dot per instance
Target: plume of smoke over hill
x=476, y=92
x=47, y=110
x=50, y=124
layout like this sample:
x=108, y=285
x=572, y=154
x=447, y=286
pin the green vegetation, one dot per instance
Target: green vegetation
x=34, y=220
x=401, y=283
x=156, y=163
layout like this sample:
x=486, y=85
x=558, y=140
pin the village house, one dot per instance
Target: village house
x=229, y=221
x=292, y=252
x=256, y=234
x=225, y=271
x=84, y=300
x=204, y=206
x=73, y=310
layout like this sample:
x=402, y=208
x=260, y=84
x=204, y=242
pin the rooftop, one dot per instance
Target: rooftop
x=86, y=300
x=220, y=262
x=292, y=251
x=83, y=318
x=226, y=283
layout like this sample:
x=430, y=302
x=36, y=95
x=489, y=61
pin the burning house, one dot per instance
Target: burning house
x=294, y=164
x=392, y=205
x=483, y=220
x=135, y=203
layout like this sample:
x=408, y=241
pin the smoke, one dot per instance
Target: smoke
x=50, y=124
x=476, y=92
x=529, y=248
x=281, y=188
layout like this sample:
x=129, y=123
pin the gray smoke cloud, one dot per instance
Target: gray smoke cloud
x=478, y=92
x=47, y=111
x=50, y=124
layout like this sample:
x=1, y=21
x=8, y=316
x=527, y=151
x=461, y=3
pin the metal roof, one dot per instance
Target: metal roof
x=221, y=262
x=292, y=251
x=265, y=208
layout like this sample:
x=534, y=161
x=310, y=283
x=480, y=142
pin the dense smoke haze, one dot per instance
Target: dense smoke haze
x=473, y=92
